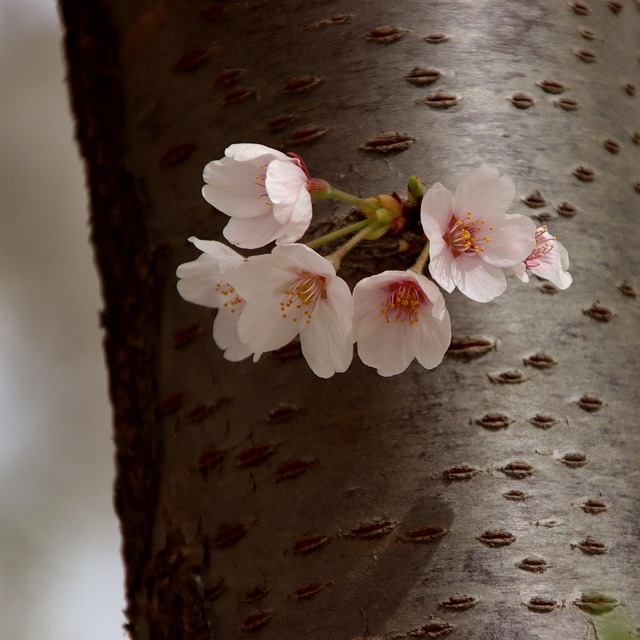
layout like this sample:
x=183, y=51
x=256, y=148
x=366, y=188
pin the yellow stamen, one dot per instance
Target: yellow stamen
x=403, y=303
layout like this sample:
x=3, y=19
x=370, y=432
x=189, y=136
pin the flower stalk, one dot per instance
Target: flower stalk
x=336, y=257
x=339, y=233
x=420, y=263
x=329, y=192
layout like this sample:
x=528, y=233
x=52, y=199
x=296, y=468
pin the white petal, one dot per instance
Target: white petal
x=305, y=258
x=216, y=249
x=235, y=188
x=552, y=267
x=369, y=297
x=340, y=303
x=327, y=348
x=484, y=192
x=262, y=327
x=389, y=347
x=261, y=275
x=440, y=268
x=283, y=182
x=436, y=210
x=564, y=255
x=198, y=280
x=302, y=207
x=512, y=240
x=252, y=233
x=257, y=154
x=300, y=219
x=225, y=335
x=432, y=292
x=520, y=271
x=436, y=337
x=477, y=280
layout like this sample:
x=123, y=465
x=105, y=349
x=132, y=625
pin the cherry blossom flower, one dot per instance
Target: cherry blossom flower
x=399, y=316
x=548, y=260
x=293, y=290
x=471, y=236
x=263, y=191
x=203, y=282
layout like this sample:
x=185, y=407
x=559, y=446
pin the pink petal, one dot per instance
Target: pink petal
x=252, y=233
x=302, y=207
x=436, y=299
x=512, y=240
x=477, y=280
x=327, y=348
x=440, y=268
x=484, y=192
x=257, y=154
x=305, y=259
x=436, y=210
x=261, y=275
x=389, y=348
x=283, y=182
x=340, y=303
x=216, y=249
x=262, y=327
x=436, y=337
x=553, y=267
x=366, y=299
x=198, y=280
x=225, y=335
x=234, y=188
x=520, y=271
x=301, y=214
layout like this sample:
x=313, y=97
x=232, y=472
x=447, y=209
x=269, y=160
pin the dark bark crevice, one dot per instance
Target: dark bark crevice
x=126, y=266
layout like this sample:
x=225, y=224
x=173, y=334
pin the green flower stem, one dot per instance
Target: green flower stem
x=343, y=196
x=340, y=233
x=340, y=253
x=418, y=267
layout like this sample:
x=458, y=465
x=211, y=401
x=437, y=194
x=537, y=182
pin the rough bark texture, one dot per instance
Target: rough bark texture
x=213, y=547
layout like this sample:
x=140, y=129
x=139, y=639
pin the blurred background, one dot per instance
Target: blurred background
x=60, y=568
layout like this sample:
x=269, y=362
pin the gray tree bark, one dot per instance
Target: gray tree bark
x=256, y=497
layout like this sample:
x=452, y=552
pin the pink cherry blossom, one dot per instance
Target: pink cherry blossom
x=399, y=316
x=548, y=260
x=472, y=238
x=264, y=192
x=203, y=282
x=293, y=290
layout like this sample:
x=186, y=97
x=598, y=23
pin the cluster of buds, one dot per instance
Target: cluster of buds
x=265, y=301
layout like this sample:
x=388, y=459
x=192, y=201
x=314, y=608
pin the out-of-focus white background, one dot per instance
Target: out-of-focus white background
x=60, y=568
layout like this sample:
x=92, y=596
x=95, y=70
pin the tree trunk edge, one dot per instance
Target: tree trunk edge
x=125, y=266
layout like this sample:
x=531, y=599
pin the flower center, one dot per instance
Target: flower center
x=467, y=235
x=230, y=297
x=545, y=243
x=302, y=296
x=402, y=303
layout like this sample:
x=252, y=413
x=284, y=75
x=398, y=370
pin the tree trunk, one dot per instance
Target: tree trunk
x=412, y=502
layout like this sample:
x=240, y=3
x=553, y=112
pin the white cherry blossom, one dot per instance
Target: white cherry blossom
x=472, y=238
x=293, y=290
x=399, y=316
x=263, y=191
x=549, y=260
x=203, y=282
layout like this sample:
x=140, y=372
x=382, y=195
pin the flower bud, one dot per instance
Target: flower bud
x=415, y=190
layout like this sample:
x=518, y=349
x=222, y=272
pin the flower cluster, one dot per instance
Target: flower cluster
x=265, y=301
